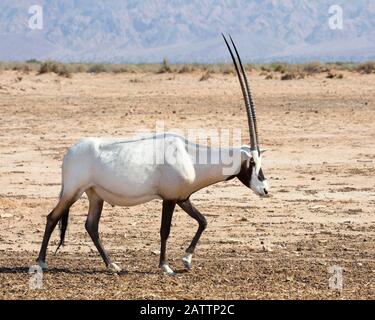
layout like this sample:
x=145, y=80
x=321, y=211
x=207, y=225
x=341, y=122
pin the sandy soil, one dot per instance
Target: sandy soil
x=320, y=136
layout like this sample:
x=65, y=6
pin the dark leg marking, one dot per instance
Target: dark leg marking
x=166, y=219
x=92, y=224
x=53, y=218
x=194, y=213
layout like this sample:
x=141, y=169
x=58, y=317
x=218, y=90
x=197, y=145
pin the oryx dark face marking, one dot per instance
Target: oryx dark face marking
x=249, y=177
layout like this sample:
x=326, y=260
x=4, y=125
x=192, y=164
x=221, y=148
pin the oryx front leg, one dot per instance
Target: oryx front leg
x=92, y=227
x=166, y=219
x=194, y=213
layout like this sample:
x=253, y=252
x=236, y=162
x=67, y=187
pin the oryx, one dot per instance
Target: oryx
x=125, y=173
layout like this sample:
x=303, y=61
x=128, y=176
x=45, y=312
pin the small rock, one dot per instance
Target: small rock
x=6, y=215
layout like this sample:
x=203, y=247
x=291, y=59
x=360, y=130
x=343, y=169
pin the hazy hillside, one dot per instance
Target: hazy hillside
x=186, y=31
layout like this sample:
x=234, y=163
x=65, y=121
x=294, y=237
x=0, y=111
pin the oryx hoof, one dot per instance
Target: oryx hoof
x=166, y=270
x=187, y=261
x=43, y=265
x=113, y=267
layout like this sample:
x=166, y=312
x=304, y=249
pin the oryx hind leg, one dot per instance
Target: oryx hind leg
x=195, y=214
x=61, y=210
x=92, y=227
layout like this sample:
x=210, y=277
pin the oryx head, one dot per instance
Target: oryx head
x=251, y=173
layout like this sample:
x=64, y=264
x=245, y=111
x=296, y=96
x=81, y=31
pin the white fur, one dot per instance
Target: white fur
x=259, y=187
x=167, y=270
x=113, y=267
x=187, y=260
x=43, y=265
x=125, y=173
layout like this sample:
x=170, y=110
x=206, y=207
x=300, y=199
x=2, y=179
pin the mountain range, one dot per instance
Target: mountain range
x=120, y=31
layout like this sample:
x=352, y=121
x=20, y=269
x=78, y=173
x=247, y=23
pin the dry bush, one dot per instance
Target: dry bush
x=135, y=80
x=64, y=71
x=205, y=76
x=333, y=75
x=120, y=69
x=293, y=72
x=313, y=67
x=269, y=76
x=97, y=68
x=78, y=67
x=49, y=66
x=288, y=76
x=165, y=67
x=367, y=67
x=279, y=67
x=293, y=75
x=266, y=68
x=186, y=68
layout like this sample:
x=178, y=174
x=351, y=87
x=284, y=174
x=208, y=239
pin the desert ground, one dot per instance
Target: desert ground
x=320, y=136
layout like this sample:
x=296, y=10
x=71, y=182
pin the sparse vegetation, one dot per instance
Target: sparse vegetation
x=313, y=67
x=334, y=75
x=269, y=71
x=48, y=67
x=33, y=61
x=165, y=67
x=367, y=67
x=65, y=72
x=186, y=68
x=97, y=68
x=205, y=76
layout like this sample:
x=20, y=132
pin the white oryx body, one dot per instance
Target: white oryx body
x=130, y=172
x=163, y=166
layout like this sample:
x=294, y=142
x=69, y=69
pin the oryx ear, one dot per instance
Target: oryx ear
x=263, y=151
x=245, y=153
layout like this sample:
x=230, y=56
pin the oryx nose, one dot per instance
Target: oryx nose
x=265, y=191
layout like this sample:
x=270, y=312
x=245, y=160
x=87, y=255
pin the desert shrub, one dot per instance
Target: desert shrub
x=35, y=61
x=347, y=66
x=135, y=80
x=269, y=76
x=120, y=69
x=287, y=76
x=312, y=67
x=165, y=67
x=265, y=68
x=64, y=71
x=227, y=69
x=49, y=66
x=293, y=74
x=205, y=76
x=334, y=75
x=367, y=67
x=97, y=68
x=186, y=68
x=26, y=69
x=279, y=67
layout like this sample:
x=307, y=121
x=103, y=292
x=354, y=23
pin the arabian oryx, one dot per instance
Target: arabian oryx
x=124, y=173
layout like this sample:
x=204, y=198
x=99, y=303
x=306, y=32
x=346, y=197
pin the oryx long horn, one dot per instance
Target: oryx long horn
x=253, y=142
x=252, y=106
